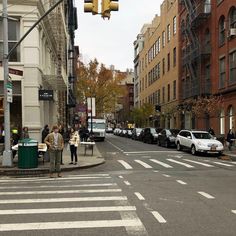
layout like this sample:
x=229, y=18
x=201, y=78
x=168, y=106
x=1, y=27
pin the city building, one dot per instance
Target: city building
x=39, y=66
x=158, y=66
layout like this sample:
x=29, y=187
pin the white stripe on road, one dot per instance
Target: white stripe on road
x=67, y=210
x=71, y=225
x=159, y=217
x=125, y=164
x=121, y=177
x=199, y=163
x=118, y=148
x=63, y=191
x=156, y=171
x=139, y=196
x=234, y=211
x=181, y=182
x=206, y=195
x=161, y=163
x=127, y=182
x=166, y=175
x=143, y=164
x=51, y=200
x=150, y=152
x=222, y=164
x=181, y=163
x=60, y=186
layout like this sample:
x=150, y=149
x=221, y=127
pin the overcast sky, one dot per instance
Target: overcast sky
x=111, y=41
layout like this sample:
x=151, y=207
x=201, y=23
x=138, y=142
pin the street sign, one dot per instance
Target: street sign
x=46, y=95
x=9, y=95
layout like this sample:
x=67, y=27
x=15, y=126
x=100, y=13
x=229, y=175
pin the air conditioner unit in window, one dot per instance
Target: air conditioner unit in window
x=232, y=32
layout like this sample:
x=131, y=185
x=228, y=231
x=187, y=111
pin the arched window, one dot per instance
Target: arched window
x=232, y=17
x=221, y=31
x=207, y=6
x=231, y=117
x=222, y=122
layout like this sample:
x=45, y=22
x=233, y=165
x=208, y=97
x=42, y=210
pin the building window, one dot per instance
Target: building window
x=232, y=19
x=168, y=92
x=163, y=66
x=159, y=45
x=158, y=96
x=159, y=70
x=222, y=122
x=174, y=26
x=174, y=89
x=13, y=38
x=168, y=33
x=168, y=62
x=163, y=94
x=232, y=67
x=174, y=57
x=231, y=117
x=163, y=39
x=221, y=31
x=222, y=73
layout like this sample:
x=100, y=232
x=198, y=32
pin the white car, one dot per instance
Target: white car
x=198, y=141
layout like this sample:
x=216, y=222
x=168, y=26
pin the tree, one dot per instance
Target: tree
x=95, y=80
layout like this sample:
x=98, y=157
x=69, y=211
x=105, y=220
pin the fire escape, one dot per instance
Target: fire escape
x=195, y=51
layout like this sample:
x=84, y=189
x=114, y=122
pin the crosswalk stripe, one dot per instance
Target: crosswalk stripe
x=159, y=217
x=200, y=163
x=143, y=164
x=54, y=200
x=67, y=210
x=222, y=164
x=63, y=191
x=180, y=163
x=53, y=179
x=206, y=195
x=233, y=211
x=125, y=164
x=60, y=186
x=71, y=225
x=161, y=163
x=181, y=182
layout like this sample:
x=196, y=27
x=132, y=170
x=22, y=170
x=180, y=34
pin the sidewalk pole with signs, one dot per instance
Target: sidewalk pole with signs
x=7, y=154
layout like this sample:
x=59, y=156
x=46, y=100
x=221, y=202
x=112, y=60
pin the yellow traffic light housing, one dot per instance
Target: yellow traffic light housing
x=91, y=6
x=108, y=6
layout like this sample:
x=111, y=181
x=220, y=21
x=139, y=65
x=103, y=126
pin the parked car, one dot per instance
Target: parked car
x=135, y=133
x=116, y=131
x=198, y=141
x=140, y=137
x=128, y=133
x=123, y=132
x=109, y=130
x=150, y=135
x=167, y=137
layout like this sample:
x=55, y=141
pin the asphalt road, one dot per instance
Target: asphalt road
x=142, y=189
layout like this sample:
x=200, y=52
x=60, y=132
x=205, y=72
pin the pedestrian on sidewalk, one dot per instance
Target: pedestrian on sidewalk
x=55, y=143
x=45, y=132
x=74, y=142
x=25, y=133
x=230, y=139
x=61, y=131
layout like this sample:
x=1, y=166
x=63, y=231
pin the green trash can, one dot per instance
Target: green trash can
x=27, y=154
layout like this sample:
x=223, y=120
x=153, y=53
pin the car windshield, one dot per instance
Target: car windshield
x=138, y=130
x=153, y=131
x=202, y=135
x=98, y=125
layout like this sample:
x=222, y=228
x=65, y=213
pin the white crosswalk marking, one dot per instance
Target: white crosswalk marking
x=161, y=163
x=110, y=201
x=199, y=163
x=222, y=164
x=125, y=164
x=145, y=165
x=180, y=163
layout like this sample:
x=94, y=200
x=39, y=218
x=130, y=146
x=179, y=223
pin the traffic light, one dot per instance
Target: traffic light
x=91, y=6
x=108, y=6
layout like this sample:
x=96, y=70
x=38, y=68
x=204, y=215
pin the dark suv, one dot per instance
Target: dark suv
x=150, y=135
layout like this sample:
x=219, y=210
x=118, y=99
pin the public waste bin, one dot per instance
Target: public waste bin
x=27, y=153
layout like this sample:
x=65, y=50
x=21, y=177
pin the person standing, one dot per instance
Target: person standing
x=211, y=131
x=74, y=142
x=25, y=133
x=45, y=132
x=55, y=143
x=61, y=131
x=230, y=139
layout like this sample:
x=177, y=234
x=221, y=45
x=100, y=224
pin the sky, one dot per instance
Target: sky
x=111, y=41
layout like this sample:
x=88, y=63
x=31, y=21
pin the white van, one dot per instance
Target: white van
x=98, y=128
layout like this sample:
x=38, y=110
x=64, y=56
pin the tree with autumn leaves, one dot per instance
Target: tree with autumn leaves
x=95, y=80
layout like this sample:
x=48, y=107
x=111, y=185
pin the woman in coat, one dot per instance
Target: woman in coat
x=74, y=142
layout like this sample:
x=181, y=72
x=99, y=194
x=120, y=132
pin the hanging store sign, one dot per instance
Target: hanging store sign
x=46, y=95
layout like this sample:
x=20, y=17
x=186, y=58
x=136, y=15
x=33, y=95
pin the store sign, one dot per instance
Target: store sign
x=46, y=95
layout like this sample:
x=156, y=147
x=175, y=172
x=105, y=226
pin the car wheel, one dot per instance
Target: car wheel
x=179, y=148
x=193, y=150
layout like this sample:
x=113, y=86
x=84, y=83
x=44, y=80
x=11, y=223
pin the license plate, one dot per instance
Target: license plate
x=213, y=148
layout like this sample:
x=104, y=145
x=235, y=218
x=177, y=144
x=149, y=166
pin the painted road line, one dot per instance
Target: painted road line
x=181, y=182
x=233, y=211
x=64, y=191
x=180, y=163
x=166, y=175
x=60, y=186
x=140, y=152
x=146, y=156
x=206, y=195
x=71, y=225
x=156, y=171
x=161, y=163
x=52, y=200
x=125, y=164
x=158, y=216
x=121, y=177
x=139, y=196
x=199, y=163
x=53, y=179
x=222, y=164
x=118, y=148
x=145, y=165
x=67, y=210
x=127, y=182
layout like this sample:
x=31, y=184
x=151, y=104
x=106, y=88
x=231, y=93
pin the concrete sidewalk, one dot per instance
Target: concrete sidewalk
x=43, y=168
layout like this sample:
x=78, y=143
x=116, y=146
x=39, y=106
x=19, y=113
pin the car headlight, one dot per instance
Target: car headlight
x=200, y=143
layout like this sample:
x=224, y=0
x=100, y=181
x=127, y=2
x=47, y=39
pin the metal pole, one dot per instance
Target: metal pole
x=91, y=101
x=7, y=155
